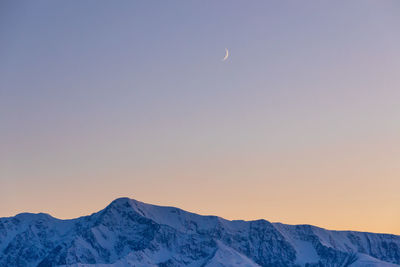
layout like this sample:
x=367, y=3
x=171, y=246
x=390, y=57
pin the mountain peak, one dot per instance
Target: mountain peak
x=132, y=233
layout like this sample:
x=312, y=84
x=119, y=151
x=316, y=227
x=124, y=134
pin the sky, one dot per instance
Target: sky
x=300, y=125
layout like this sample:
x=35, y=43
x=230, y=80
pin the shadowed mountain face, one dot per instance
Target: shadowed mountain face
x=132, y=233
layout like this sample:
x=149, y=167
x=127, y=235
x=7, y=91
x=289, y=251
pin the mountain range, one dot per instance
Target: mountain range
x=132, y=233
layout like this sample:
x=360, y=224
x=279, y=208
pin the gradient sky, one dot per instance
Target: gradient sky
x=103, y=99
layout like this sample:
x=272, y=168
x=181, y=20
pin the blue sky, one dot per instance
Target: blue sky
x=105, y=99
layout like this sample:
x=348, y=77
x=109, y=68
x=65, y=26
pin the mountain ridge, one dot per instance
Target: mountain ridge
x=132, y=233
x=204, y=215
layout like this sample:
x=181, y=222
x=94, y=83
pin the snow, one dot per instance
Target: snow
x=226, y=256
x=368, y=261
x=132, y=233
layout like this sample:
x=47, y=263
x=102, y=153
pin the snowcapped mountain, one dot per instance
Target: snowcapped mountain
x=132, y=233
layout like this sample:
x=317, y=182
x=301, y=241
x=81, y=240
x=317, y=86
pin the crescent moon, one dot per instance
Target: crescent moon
x=226, y=54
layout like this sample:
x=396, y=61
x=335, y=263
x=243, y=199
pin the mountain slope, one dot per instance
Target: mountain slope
x=132, y=233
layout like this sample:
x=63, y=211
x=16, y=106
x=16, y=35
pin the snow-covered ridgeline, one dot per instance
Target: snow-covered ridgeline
x=132, y=233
